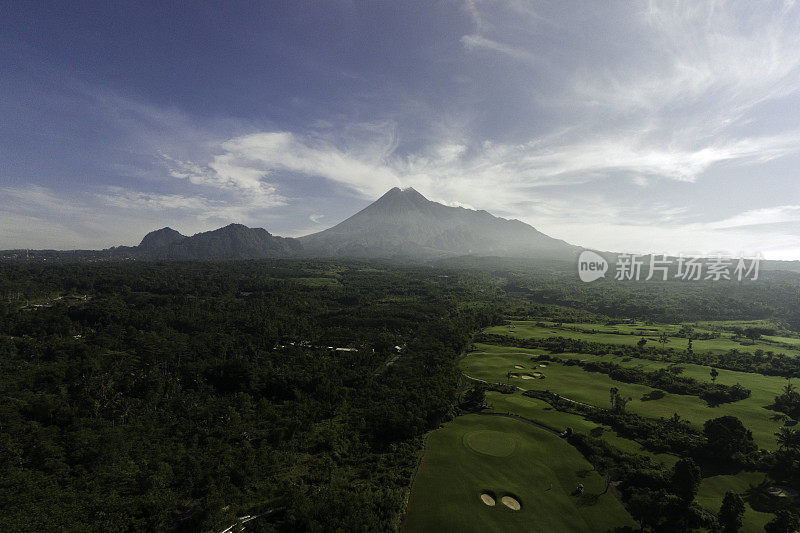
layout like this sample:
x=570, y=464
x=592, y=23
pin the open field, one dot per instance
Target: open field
x=592, y=387
x=475, y=455
x=621, y=335
x=713, y=489
x=794, y=341
x=763, y=388
x=543, y=413
x=447, y=459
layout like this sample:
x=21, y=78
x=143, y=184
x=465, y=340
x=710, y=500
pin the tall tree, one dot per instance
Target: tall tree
x=788, y=438
x=686, y=479
x=727, y=436
x=784, y=522
x=731, y=512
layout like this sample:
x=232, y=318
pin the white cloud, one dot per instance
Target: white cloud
x=35, y=216
x=126, y=199
x=231, y=172
x=670, y=107
x=661, y=94
x=758, y=217
x=474, y=41
x=674, y=101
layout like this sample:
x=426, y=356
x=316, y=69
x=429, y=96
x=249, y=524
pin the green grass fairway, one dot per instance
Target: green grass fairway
x=477, y=454
x=593, y=388
x=605, y=334
x=763, y=388
x=713, y=489
x=541, y=412
x=794, y=341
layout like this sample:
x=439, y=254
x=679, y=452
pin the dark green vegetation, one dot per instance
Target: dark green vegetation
x=626, y=396
x=180, y=396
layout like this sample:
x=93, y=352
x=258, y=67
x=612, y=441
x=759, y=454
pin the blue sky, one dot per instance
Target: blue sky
x=648, y=126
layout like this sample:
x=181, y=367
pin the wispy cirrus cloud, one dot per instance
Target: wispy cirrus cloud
x=609, y=123
x=230, y=172
x=491, y=175
x=759, y=217
x=674, y=102
x=475, y=41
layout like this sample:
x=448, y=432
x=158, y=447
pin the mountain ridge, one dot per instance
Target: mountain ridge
x=234, y=241
x=402, y=223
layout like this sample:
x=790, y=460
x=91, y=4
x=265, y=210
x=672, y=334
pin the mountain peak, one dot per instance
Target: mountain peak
x=411, y=192
x=404, y=199
x=403, y=222
x=234, y=241
x=160, y=238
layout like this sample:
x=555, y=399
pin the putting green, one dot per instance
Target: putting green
x=492, y=443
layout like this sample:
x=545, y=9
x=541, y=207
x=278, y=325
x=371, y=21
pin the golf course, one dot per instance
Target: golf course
x=522, y=444
x=478, y=455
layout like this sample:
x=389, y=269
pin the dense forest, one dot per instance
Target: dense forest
x=774, y=295
x=181, y=396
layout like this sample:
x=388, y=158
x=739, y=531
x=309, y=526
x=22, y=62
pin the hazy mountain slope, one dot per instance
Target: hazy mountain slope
x=160, y=238
x=234, y=241
x=400, y=224
x=403, y=222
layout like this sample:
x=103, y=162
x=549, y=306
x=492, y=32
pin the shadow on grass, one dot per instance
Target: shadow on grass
x=587, y=499
x=656, y=394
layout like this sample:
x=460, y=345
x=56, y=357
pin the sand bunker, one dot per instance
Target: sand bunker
x=488, y=499
x=527, y=376
x=519, y=366
x=543, y=366
x=537, y=374
x=511, y=502
x=780, y=492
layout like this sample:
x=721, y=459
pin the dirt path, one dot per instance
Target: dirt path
x=389, y=362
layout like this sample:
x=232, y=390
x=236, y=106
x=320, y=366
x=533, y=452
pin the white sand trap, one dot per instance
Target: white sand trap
x=527, y=376
x=537, y=374
x=543, y=366
x=487, y=499
x=780, y=492
x=519, y=366
x=511, y=503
